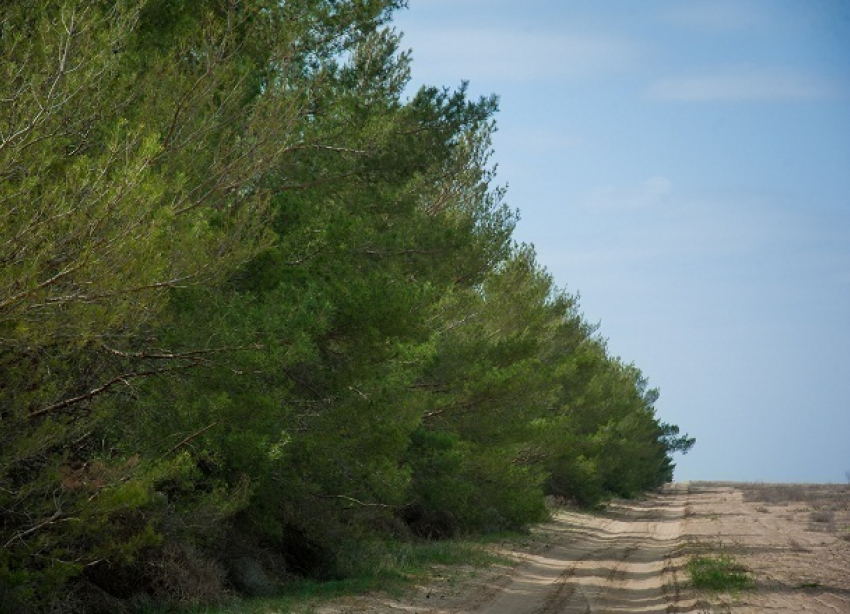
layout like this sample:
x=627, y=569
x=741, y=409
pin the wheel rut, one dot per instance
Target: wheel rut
x=619, y=561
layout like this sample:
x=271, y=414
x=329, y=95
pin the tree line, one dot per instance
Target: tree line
x=255, y=300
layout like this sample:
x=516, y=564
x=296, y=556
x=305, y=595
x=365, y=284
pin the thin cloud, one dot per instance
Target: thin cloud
x=714, y=15
x=652, y=192
x=745, y=84
x=506, y=54
x=538, y=140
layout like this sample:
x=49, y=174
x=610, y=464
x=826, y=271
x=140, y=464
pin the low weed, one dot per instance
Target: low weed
x=719, y=572
x=796, y=546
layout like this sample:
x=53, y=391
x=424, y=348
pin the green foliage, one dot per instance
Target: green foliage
x=460, y=487
x=719, y=573
x=253, y=297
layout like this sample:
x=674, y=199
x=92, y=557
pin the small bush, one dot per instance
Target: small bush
x=719, y=573
x=183, y=576
x=822, y=516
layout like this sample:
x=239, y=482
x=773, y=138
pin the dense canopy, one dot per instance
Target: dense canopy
x=256, y=298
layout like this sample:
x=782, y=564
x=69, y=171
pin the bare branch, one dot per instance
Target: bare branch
x=352, y=500
x=188, y=440
x=118, y=379
x=22, y=534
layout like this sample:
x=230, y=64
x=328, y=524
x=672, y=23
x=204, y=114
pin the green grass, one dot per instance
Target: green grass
x=719, y=572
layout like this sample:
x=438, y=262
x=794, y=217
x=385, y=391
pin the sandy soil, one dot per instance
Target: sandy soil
x=794, y=540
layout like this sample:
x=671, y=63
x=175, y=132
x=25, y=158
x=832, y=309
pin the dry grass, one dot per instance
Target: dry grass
x=827, y=505
x=181, y=575
x=796, y=546
x=823, y=495
x=823, y=516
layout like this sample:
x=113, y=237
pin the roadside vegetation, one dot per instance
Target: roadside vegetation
x=394, y=572
x=262, y=317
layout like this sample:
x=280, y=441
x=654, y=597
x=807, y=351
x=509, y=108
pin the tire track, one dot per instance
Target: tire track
x=620, y=561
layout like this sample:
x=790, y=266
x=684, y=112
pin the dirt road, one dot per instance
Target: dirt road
x=793, y=540
x=616, y=562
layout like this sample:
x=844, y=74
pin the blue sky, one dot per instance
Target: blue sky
x=685, y=167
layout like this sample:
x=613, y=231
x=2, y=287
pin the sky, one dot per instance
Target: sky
x=684, y=167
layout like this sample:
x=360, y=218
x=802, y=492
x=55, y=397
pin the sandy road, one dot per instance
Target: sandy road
x=794, y=541
x=619, y=561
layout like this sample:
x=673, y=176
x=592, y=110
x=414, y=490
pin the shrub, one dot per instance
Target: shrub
x=182, y=575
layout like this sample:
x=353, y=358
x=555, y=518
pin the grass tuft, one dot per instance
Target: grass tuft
x=719, y=573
